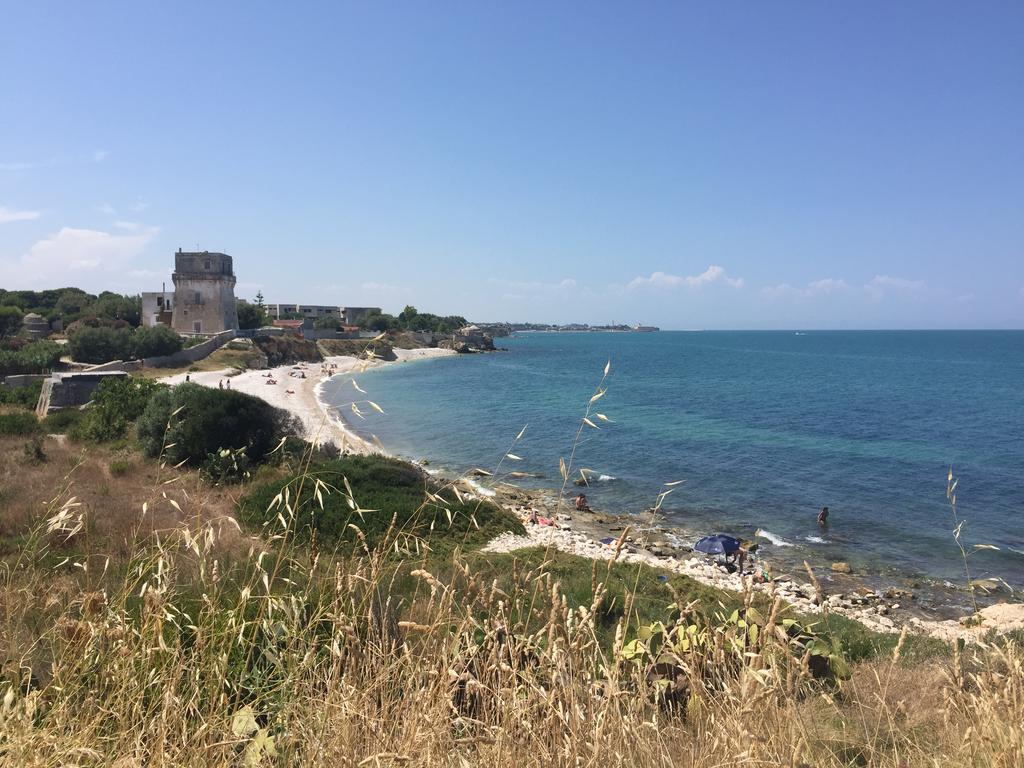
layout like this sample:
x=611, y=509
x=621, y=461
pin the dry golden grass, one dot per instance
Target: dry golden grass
x=201, y=647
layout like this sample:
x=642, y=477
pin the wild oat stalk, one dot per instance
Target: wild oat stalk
x=951, y=485
x=565, y=468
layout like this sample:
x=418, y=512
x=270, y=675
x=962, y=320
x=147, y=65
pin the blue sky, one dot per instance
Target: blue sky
x=716, y=165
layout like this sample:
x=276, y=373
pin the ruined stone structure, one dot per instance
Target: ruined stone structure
x=35, y=326
x=204, y=293
x=70, y=390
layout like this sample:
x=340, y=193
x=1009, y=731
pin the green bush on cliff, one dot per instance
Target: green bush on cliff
x=35, y=357
x=19, y=423
x=202, y=421
x=115, y=404
x=385, y=489
x=100, y=345
x=155, y=341
x=26, y=397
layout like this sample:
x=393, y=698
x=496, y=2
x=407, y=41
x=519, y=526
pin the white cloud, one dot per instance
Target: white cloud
x=965, y=298
x=8, y=215
x=822, y=287
x=72, y=255
x=107, y=209
x=713, y=274
x=880, y=285
x=138, y=206
x=131, y=226
x=99, y=155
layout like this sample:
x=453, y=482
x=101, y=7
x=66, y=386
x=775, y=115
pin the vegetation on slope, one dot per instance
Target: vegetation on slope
x=374, y=501
x=141, y=627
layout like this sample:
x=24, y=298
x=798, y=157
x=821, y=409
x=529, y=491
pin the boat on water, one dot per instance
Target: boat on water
x=646, y=328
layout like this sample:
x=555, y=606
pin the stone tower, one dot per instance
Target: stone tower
x=204, y=293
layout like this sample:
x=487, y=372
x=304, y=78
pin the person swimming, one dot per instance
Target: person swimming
x=823, y=516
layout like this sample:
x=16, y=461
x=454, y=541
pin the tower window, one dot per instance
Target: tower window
x=199, y=298
x=206, y=264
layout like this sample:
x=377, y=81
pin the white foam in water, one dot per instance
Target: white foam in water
x=479, y=489
x=815, y=539
x=605, y=478
x=778, y=541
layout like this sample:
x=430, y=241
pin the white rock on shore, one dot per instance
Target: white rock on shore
x=800, y=596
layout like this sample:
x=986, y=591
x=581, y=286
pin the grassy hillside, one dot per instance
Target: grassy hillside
x=143, y=626
x=372, y=502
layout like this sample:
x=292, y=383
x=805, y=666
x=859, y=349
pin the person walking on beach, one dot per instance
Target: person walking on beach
x=823, y=516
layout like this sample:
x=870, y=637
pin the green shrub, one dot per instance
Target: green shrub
x=10, y=321
x=115, y=404
x=203, y=421
x=156, y=341
x=19, y=423
x=26, y=397
x=119, y=467
x=33, y=450
x=100, y=345
x=36, y=357
x=60, y=422
x=226, y=467
x=388, y=487
x=251, y=315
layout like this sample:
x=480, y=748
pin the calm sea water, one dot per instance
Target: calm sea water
x=764, y=427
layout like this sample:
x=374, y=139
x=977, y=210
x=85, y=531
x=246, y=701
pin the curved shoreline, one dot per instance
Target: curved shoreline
x=323, y=422
x=299, y=388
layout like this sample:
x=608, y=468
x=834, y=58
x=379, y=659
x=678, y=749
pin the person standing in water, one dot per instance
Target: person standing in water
x=823, y=516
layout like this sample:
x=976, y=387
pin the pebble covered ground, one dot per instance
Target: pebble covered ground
x=581, y=533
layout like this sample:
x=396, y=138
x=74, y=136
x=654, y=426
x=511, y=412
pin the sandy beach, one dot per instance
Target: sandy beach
x=297, y=390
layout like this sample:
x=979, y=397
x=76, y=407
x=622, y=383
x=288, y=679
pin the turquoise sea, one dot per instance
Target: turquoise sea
x=763, y=427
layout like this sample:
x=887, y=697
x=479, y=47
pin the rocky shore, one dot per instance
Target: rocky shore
x=630, y=539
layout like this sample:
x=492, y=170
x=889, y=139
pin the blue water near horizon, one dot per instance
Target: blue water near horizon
x=764, y=427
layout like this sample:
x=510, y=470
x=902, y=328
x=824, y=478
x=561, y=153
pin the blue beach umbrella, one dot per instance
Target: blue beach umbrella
x=719, y=544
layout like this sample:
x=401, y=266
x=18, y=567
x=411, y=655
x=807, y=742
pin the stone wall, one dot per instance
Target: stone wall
x=70, y=390
x=192, y=354
x=115, y=365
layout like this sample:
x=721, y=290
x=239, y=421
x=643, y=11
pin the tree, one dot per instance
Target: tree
x=115, y=404
x=114, y=306
x=327, y=322
x=408, y=316
x=204, y=420
x=10, y=321
x=259, y=300
x=100, y=345
x=71, y=304
x=252, y=315
x=156, y=341
x=379, y=321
